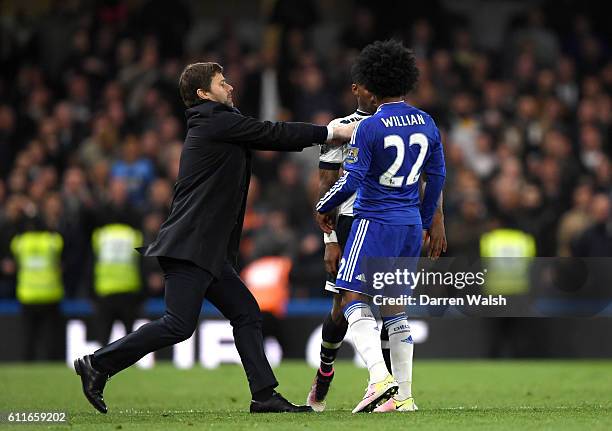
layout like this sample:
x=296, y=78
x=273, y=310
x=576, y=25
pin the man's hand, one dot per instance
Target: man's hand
x=343, y=133
x=333, y=253
x=325, y=221
x=435, y=239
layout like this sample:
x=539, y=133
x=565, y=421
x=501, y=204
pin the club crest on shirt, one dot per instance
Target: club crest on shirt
x=351, y=155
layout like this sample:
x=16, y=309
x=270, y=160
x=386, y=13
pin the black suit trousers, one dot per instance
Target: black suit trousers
x=186, y=286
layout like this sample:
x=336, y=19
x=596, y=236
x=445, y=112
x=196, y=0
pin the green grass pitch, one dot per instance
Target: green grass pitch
x=452, y=395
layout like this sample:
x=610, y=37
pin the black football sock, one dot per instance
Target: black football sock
x=333, y=334
x=263, y=394
x=384, y=345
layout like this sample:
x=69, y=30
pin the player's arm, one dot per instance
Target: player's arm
x=435, y=237
x=435, y=170
x=356, y=166
x=333, y=252
x=330, y=162
x=327, y=178
x=437, y=232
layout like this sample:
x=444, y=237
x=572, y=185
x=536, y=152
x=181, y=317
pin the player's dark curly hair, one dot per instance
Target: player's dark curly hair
x=386, y=69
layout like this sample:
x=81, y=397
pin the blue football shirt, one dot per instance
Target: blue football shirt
x=387, y=153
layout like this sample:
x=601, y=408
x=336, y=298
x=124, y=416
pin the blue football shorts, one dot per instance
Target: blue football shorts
x=369, y=242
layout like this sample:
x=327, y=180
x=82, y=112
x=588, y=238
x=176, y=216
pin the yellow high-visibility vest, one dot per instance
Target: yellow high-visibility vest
x=507, y=255
x=116, y=266
x=39, y=273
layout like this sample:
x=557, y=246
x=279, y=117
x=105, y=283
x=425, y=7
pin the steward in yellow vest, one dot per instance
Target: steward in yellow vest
x=507, y=255
x=39, y=272
x=40, y=289
x=116, y=263
x=117, y=276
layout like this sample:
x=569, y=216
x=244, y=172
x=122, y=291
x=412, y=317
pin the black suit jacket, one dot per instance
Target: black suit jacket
x=205, y=221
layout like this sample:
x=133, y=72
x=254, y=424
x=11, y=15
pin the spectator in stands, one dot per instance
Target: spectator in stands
x=576, y=220
x=117, y=206
x=136, y=171
x=596, y=241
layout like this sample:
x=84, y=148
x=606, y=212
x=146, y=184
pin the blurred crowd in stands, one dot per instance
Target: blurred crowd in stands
x=91, y=124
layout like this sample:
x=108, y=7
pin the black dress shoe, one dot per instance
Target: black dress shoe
x=277, y=404
x=93, y=382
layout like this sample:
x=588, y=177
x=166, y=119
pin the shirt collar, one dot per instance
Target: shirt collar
x=389, y=104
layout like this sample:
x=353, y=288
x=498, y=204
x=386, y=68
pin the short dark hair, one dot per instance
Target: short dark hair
x=195, y=76
x=386, y=69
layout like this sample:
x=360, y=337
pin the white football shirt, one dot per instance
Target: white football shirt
x=335, y=154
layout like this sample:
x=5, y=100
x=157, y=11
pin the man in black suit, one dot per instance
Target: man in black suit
x=197, y=245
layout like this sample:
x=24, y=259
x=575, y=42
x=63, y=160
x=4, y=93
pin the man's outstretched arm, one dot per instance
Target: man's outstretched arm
x=236, y=128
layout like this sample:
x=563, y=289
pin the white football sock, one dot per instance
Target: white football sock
x=366, y=338
x=402, y=349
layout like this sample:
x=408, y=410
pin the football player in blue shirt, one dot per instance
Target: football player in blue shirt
x=335, y=326
x=386, y=156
